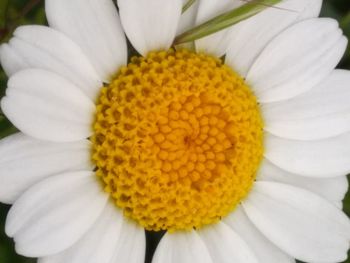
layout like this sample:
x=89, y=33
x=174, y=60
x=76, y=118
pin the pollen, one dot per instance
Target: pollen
x=177, y=140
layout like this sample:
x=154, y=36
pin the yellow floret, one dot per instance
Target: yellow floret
x=177, y=140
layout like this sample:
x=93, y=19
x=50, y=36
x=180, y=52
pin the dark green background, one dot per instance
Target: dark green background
x=18, y=12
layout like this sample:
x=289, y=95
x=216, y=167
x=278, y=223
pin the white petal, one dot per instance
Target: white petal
x=47, y=106
x=322, y=112
x=188, y=18
x=184, y=247
x=131, y=244
x=111, y=239
x=301, y=223
x=332, y=95
x=333, y=189
x=312, y=10
x=54, y=214
x=249, y=37
x=25, y=161
x=324, y=158
x=311, y=129
x=95, y=26
x=297, y=60
x=264, y=250
x=215, y=44
x=150, y=24
x=45, y=48
x=225, y=246
x=11, y=62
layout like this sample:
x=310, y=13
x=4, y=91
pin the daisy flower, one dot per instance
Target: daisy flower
x=236, y=147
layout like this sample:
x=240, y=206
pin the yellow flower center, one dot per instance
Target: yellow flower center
x=177, y=140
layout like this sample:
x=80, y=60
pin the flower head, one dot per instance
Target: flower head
x=236, y=146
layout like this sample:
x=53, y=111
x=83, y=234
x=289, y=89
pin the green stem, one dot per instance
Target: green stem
x=225, y=20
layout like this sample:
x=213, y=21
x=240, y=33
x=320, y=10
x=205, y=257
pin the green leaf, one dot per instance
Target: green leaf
x=346, y=202
x=225, y=20
x=6, y=128
x=345, y=24
x=188, y=5
x=329, y=10
x=3, y=11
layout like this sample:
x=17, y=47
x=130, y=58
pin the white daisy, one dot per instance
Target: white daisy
x=240, y=161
